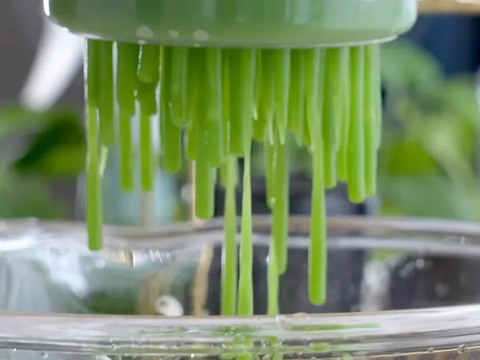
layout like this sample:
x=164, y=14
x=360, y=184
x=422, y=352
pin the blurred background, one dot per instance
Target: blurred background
x=428, y=161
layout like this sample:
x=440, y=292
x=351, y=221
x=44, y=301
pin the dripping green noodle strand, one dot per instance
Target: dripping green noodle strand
x=378, y=86
x=277, y=258
x=237, y=138
x=258, y=112
x=94, y=184
x=94, y=211
x=281, y=72
x=245, y=283
x=273, y=278
x=280, y=207
x=344, y=114
x=356, y=139
x=370, y=113
x=126, y=85
x=329, y=126
x=170, y=133
x=229, y=257
x=106, y=98
x=213, y=88
x=148, y=82
x=179, y=84
x=269, y=154
x=204, y=173
x=268, y=100
x=211, y=104
x=246, y=100
x=315, y=68
x=297, y=95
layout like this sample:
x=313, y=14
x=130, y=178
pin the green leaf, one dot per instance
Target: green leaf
x=28, y=197
x=428, y=196
x=58, y=150
x=402, y=156
x=406, y=65
x=58, y=145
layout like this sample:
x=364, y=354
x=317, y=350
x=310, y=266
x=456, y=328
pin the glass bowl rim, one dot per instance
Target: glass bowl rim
x=381, y=331
x=159, y=237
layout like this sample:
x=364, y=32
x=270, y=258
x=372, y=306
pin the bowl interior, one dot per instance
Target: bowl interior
x=160, y=284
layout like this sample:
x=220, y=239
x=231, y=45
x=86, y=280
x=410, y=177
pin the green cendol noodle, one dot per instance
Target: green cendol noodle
x=211, y=103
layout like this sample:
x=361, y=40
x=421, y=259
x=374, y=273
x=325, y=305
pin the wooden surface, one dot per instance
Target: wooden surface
x=449, y=6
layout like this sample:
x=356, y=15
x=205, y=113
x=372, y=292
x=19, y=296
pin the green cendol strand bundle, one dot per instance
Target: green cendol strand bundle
x=211, y=103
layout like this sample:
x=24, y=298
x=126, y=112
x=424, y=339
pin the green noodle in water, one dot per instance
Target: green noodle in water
x=212, y=102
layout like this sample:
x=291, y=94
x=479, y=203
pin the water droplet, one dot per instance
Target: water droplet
x=100, y=263
x=280, y=320
x=420, y=263
x=192, y=356
x=44, y=355
x=461, y=349
x=144, y=31
x=431, y=350
x=173, y=33
x=201, y=35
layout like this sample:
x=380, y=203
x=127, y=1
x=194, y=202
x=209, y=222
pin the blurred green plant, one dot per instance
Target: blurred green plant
x=38, y=148
x=429, y=148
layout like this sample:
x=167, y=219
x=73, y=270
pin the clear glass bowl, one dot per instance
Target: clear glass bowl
x=238, y=23
x=397, y=288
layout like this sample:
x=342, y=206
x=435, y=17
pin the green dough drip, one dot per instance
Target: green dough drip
x=92, y=72
x=126, y=78
x=281, y=69
x=179, y=84
x=94, y=185
x=329, y=133
x=268, y=86
x=258, y=115
x=370, y=112
x=126, y=153
x=315, y=66
x=377, y=86
x=170, y=134
x=280, y=207
x=225, y=105
x=106, y=98
x=229, y=271
x=213, y=83
x=212, y=102
x=94, y=212
x=269, y=151
x=356, y=147
x=297, y=95
x=149, y=68
x=245, y=283
x=273, y=280
x=345, y=117
x=237, y=138
x=126, y=85
x=204, y=175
